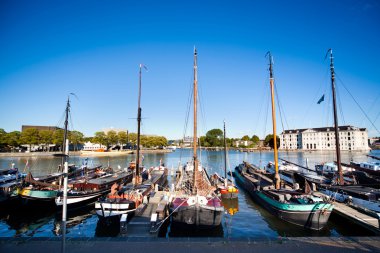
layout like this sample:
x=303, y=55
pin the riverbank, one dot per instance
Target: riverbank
x=84, y=153
x=189, y=245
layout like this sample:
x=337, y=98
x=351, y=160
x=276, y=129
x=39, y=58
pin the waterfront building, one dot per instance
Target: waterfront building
x=323, y=138
x=240, y=143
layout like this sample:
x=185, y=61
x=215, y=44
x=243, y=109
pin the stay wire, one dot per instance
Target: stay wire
x=357, y=104
x=340, y=105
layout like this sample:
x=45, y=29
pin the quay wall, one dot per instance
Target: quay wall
x=189, y=245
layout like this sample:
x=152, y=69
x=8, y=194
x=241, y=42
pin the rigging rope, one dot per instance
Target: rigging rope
x=340, y=105
x=357, y=103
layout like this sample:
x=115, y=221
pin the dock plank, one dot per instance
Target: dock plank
x=355, y=216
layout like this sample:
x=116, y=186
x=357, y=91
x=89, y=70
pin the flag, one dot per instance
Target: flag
x=321, y=99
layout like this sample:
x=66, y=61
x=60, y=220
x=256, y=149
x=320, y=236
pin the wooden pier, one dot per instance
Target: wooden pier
x=366, y=221
x=146, y=221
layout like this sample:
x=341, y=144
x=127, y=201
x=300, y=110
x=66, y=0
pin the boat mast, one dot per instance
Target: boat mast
x=337, y=146
x=137, y=178
x=195, y=92
x=225, y=154
x=271, y=81
x=65, y=152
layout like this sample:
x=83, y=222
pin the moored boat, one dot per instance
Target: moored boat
x=296, y=206
x=194, y=202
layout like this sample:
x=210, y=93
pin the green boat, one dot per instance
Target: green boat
x=300, y=207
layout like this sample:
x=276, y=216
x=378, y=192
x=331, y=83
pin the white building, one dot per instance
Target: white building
x=323, y=138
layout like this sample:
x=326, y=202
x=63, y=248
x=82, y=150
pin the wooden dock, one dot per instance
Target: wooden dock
x=145, y=223
x=360, y=218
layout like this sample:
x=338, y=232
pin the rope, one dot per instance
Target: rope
x=358, y=104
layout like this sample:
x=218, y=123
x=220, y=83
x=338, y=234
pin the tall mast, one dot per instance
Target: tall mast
x=195, y=92
x=271, y=81
x=137, y=179
x=337, y=146
x=67, y=111
x=65, y=152
x=225, y=154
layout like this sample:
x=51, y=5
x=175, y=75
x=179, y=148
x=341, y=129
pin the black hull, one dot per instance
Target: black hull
x=197, y=216
x=314, y=220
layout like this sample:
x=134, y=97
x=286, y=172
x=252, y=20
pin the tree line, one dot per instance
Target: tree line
x=214, y=138
x=32, y=136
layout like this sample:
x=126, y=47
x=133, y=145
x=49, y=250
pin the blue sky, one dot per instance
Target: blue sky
x=93, y=48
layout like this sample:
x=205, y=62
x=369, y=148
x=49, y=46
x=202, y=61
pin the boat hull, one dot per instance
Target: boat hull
x=80, y=199
x=110, y=209
x=230, y=195
x=311, y=216
x=198, y=215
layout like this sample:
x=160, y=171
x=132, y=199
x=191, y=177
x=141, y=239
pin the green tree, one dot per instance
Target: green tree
x=255, y=139
x=100, y=138
x=269, y=141
x=46, y=138
x=13, y=139
x=76, y=138
x=112, y=137
x=203, y=141
x=132, y=138
x=3, y=139
x=215, y=137
x=58, y=138
x=123, y=137
x=245, y=138
x=30, y=136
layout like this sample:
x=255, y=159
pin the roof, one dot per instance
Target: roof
x=324, y=129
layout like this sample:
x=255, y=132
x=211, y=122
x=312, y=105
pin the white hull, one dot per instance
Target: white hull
x=76, y=199
x=112, y=209
x=371, y=205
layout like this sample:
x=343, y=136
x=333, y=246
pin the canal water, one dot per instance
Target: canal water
x=243, y=219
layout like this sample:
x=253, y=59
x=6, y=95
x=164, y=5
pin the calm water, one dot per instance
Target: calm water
x=250, y=221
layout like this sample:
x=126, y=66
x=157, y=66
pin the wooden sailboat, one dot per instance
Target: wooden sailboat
x=224, y=185
x=126, y=198
x=194, y=202
x=301, y=208
x=44, y=190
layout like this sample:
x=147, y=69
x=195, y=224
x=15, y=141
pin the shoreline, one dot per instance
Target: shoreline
x=85, y=153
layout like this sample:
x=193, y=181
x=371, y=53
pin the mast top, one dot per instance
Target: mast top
x=270, y=64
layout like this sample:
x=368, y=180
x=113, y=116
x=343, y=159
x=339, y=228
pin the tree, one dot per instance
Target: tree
x=203, y=142
x=112, y=137
x=13, y=139
x=3, y=140
x=269, y=141
x=245, y=138
x=123, y=137
x=132, y=138
x=30, y=136
x=215, y=137
x=255, y=139
x=100, y=138
x=58, y=136
x=46, y=138
x=76, y=138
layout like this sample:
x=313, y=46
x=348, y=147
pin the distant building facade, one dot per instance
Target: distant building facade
x=240, y=143
x=323, y=138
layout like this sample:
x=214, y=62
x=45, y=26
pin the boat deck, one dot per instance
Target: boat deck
x=144, y=223
x=368, y=222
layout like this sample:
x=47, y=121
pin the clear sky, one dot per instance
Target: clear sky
x=93, y=48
